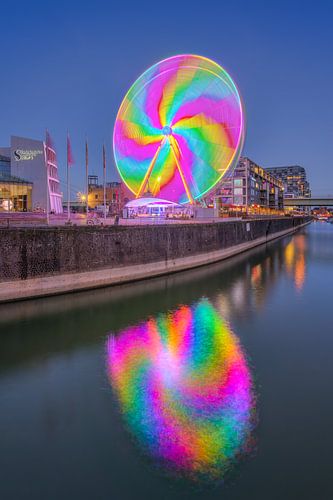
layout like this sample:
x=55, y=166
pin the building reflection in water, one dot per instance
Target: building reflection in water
x=185, y=390
x=250, y=290
x=295, y=259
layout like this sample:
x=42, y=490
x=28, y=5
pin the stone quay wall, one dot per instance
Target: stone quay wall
x=44, y=261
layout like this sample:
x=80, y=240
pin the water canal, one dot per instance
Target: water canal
x=211, y=383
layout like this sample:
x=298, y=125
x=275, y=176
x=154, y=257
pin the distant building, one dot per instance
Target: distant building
x=115, y=195
x=294, y=180
x=251, y=186
x=92, y=180
x=32, y=165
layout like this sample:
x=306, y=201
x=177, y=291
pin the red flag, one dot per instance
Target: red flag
x=70, y=159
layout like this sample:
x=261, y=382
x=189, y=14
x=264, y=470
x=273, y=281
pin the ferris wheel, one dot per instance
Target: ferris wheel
x=179, y=129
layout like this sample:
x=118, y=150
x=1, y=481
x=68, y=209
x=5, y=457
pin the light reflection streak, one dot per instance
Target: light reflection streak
x=249, y=293
x=295, y=260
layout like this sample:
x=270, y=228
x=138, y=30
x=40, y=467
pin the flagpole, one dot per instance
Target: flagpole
x=68, y=187
x=104, y=181
x=47, y=180
x=87, y=185
x=47, y=194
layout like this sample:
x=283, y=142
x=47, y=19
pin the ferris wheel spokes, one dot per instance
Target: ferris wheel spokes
x=171, y=140
x=194, y=103
x=149, y=170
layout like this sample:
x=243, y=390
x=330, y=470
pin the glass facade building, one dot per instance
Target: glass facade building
x=4, y=165
x=15, y=193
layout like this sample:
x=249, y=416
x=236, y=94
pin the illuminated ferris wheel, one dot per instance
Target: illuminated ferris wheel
x=179, y=129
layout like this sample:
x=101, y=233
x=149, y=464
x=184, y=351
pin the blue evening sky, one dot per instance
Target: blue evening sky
x=67, y=65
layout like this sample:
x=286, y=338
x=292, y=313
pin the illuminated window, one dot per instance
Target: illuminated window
x=15, y=197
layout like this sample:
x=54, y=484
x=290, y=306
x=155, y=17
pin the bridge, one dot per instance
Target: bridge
x=308, y=202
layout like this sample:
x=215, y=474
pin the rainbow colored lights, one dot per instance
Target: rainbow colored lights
x=185, y=390
x=179, y=129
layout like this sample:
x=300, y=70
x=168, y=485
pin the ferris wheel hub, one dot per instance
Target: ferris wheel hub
x=167, y=130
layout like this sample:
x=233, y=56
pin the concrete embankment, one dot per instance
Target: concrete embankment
x=46, y=261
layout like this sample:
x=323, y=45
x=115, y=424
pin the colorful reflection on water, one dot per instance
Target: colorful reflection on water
x=295, y=260
x=185, y=389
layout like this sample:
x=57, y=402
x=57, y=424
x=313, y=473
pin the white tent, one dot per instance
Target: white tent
x=150, y=203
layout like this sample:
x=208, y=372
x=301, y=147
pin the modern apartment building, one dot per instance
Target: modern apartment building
x=294, y=180
x=251, y=186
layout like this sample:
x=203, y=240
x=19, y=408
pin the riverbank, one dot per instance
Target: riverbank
x=37, y=262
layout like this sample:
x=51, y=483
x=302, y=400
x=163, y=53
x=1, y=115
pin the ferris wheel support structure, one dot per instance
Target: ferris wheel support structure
x=181, y=173
x=149, y=171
